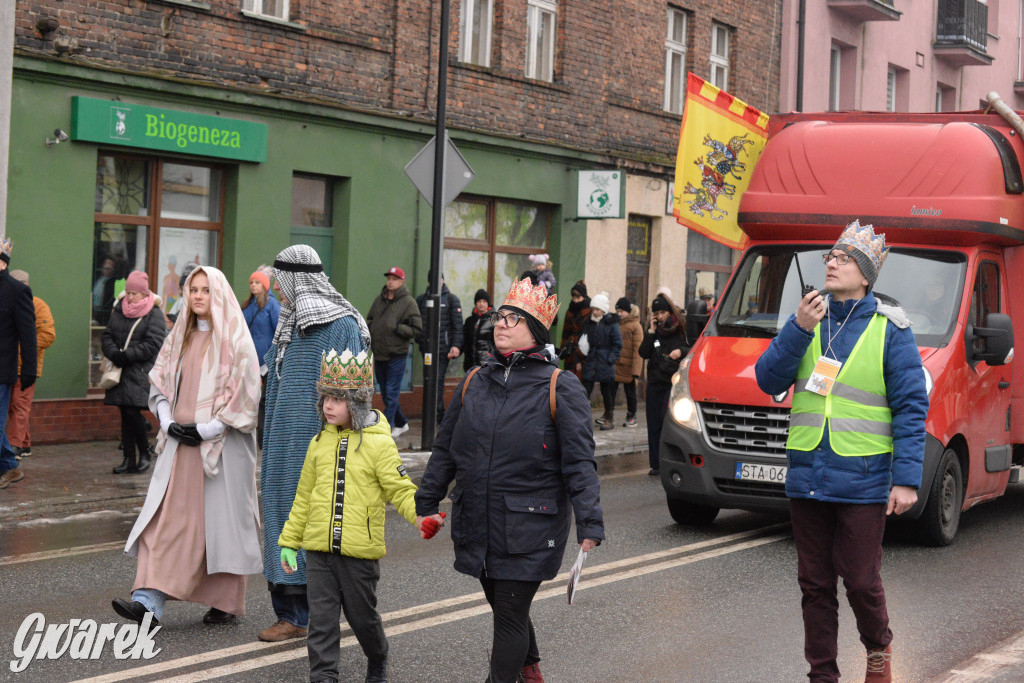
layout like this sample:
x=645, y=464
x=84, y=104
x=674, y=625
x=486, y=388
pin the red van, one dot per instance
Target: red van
x=946, y=189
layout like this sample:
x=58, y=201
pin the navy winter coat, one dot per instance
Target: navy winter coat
x=133, y=390
x=821, y=474
x=17, y=328
x=516, y=472
x=605, y=346
x=451, y=322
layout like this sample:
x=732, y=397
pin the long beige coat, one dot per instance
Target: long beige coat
x=630, y=364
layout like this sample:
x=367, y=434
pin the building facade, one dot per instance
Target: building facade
x=221, y=132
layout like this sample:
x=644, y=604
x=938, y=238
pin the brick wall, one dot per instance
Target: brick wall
x=380, y=56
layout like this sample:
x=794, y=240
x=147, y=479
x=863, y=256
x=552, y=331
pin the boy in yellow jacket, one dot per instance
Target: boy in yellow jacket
x=352, y=470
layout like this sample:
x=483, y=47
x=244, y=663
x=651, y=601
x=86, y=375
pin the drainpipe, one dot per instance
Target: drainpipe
x=801, y=21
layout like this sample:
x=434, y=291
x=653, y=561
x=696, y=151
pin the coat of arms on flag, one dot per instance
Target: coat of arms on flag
x=720, y=140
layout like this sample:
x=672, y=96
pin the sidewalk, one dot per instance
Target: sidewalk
x=65, y=479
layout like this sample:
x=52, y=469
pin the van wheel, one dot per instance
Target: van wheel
x=691, y=513
x=941, y=517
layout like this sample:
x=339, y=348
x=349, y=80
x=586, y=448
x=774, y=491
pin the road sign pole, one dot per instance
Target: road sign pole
x=433, y=322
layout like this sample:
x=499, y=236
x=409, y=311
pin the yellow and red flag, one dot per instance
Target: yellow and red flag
x=719, y=142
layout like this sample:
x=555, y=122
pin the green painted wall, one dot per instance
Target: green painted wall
x=379, y=217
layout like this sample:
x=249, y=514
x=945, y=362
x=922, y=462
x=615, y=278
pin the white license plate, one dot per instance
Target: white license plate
x=754, y=472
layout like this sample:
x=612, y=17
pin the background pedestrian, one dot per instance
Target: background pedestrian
x=478, y=332
x=572, y=327
x=630, y=364
x=543, y=270
x=21, y=399
x=17, y=341
x=451, y=342
x=664, y=346
x=600, y=345
x=261, y=313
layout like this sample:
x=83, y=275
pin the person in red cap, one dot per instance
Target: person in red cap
x=261, y=314
x=394, y=321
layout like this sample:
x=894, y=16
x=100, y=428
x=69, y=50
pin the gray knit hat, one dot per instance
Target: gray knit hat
x=866, y=248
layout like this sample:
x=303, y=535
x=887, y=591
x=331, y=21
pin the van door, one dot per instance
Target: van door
x=989, y=434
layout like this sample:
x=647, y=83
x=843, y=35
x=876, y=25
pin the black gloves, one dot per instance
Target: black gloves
x=185, y=434
x=27, y=381
x=120, y=359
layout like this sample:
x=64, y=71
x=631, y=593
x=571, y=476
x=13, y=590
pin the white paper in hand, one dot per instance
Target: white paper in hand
x=574, y=574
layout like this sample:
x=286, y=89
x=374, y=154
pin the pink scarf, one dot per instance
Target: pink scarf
x=139, y=308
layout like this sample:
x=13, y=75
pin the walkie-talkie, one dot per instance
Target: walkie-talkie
x=804, y=289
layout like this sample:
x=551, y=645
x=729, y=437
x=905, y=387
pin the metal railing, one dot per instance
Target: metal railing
x=962, y=23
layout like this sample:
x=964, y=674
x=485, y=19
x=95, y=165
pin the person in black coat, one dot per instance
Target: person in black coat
x=139, y=308
x=600, y=346
x=517, y=471
x=478, y=332
x=17, y=331
x=664, y=346
x=450, y=346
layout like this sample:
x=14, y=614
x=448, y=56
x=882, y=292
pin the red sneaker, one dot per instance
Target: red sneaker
x=531, y=674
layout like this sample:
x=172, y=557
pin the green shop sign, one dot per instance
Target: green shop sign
x=136, y=125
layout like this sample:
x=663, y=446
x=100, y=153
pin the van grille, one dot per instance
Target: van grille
x=751, y=488
x=746, y=430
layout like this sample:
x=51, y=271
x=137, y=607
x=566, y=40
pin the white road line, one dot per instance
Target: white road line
x=597, y=575
x=57, y=554
x=1008, y=655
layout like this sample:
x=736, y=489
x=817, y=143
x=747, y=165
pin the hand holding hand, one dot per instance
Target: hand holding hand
x=289, y=560
x=810, y=311
x=429, y=526
x=901, y=499
x=185, y=434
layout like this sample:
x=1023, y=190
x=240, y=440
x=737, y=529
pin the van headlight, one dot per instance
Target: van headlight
x=680, y=405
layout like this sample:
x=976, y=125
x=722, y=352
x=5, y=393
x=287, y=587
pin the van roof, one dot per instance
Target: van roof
x=951, y=179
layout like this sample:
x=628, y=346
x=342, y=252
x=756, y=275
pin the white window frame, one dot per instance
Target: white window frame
x=938, y=99
x=256, y=7
x=537, y=66
x=470, y=10
x=719, y=56
x=835, y=73
x=675, y=83
x=890, y=89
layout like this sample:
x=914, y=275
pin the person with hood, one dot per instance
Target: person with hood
x=478, y=332
x=855, y=448
x=572, y=327
x=630, y=364
x=17, y=340
x=315, y=318
x=451, y=342
x=172, y=314
x=664, y=346
x=340, y=523
x=133, y=337
x=542, y=268
x=394, y=321
x=261, y=313
x=21, y=399
x=197, y=536
x=600, y=345
x=518, y=443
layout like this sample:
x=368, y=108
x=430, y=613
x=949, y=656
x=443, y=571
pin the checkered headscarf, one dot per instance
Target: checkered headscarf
x=309, y=298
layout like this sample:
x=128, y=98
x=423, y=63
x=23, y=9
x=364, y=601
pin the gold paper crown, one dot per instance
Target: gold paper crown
x=6, y=246
x=533, y=300
x=863, y=239
x=347, y=371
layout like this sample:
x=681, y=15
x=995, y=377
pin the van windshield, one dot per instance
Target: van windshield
x=767, y=288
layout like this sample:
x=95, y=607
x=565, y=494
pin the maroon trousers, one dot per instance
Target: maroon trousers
x=839, y=540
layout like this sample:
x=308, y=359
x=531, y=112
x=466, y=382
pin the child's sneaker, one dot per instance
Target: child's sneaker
x=601, y=420
x=630, y=421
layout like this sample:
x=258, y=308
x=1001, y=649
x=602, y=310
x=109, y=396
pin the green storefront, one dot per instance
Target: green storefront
x=157, y=173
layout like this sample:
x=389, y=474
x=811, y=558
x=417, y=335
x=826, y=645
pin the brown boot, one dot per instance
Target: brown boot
x=282, y=630
x=531, y=674
x=879, y=665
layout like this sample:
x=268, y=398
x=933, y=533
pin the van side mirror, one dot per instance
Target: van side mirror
x=992, y=344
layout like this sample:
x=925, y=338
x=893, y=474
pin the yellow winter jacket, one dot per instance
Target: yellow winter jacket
x=339, y=506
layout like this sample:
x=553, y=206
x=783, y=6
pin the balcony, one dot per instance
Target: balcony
x=961, y=34
x=866, y=10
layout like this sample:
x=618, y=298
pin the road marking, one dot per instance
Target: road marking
x=57, y=554
x=1003, y=658
x=596, y=575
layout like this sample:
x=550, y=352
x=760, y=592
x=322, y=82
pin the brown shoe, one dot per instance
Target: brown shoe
x=11, y=476
x=282, y=630
x=531, y=674
x=879, y=665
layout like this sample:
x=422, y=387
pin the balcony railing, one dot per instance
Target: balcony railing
x=866, y=10
x=962, y=23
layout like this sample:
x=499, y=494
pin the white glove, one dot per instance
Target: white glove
x=584, y=345
x=210, y=430
x=163, y=413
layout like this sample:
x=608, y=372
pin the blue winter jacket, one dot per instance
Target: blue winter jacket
x=821, y=474
x=262, y=322
x=605, y=340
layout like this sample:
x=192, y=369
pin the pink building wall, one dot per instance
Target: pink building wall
x=871, y=47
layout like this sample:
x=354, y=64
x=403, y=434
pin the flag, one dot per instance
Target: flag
x=719, y=142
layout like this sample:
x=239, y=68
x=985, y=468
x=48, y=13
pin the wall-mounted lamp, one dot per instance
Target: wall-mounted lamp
x=59, y=136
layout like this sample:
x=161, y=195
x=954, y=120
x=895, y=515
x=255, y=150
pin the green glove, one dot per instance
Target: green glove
x=289, y=557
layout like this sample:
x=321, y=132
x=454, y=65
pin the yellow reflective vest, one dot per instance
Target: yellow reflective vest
x=856, y=409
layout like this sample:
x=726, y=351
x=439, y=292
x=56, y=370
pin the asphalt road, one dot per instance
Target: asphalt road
x=657, y=602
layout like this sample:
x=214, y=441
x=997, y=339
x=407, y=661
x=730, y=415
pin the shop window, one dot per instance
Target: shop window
x=675, y=61
x=708, y=265
x=475, y=32
x=313, y=215
x=138, y=198
x=540, y=39
x=270, y=8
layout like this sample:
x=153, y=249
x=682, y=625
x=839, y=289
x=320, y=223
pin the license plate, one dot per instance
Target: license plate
x=754, y=472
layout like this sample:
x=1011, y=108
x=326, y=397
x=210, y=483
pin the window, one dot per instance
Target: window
x=675, y=61
x=540, y=39
x=890, y=90
x=897, y=89
x=720, y=56
x=154, y=216
x=270, y=8
x=945, y=97
x=475, y=32
x=312, y=220
x=834, y=77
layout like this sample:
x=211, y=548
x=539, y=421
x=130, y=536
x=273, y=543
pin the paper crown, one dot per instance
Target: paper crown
x=6, y=246
x=863, y=239
x=347, y=371
x=533, y=300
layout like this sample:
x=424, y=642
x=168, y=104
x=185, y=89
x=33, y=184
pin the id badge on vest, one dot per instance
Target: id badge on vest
x=824, y=375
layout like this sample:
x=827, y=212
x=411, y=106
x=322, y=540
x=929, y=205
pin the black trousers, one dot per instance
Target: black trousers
x=514, y=644
x=134, y=438
x=657, y=408
x=607, y=395
x=335, y=584
x=630, y=389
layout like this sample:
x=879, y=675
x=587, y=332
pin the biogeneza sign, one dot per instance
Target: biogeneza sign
x=136, y=125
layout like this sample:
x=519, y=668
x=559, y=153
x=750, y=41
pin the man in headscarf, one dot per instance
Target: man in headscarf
x=314, y=319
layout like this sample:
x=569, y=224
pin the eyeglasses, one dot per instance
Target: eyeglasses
x=841, y=259
x=511, y=319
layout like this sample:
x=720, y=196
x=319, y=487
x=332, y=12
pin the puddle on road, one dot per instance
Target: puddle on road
x=59, y=533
